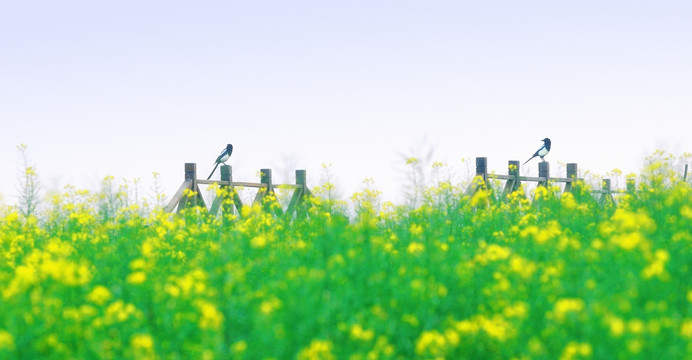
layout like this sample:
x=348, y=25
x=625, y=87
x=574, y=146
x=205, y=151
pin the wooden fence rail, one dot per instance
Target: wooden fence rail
x=300, y=190
x=513, y=180
x=230, y=198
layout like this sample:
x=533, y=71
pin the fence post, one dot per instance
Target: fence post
x=684, y=177
x=295, y=205
x=544, y=172
x=482, y=172
x=606, y=195
x=631, y=185
x=266, y=179
x=301, y=177
x=191, y=177
x=226, y=205
x=571, y=174
x=513, y=183
x=482, y=168
x=191, y=172
x=178, y=200
x=220, y=201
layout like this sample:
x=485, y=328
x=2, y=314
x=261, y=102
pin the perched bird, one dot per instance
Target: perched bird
x=543, y=151
x=225, y=155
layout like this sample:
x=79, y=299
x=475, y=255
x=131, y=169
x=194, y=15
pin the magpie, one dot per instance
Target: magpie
x=543, y=151
x=225, y=155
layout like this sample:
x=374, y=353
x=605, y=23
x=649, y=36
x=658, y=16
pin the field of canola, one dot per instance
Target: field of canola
x=560, y=277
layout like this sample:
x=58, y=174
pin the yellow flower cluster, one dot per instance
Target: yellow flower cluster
x=453, y=276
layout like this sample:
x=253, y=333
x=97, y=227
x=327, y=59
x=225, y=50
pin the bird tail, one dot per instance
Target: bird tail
x=212, y=172
x=529, y=159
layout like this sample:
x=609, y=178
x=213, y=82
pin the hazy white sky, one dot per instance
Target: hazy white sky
x=126, y=88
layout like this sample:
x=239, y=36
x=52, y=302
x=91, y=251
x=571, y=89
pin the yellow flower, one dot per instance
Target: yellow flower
x=518, y=310
x=574, y=349
x=452, y=337
x=635, y=326
x=431, y=343
x=568, y=202
x=496, y=327
x=617, y=326
x=172, y=290
x=25, y=274
x=547, y=232
x=657, y=266
x=137, y=264
x=358, y=333
x=317, y=350
x=136, y=278
x=634, y=346
x=99, y=295
x=148, y=247
x=211, y=317
x=564, y=306
x=416, y=230
x=258, y=241
x=521, y=266
x=119, y=311
x=625, y=221
x=415, y=248
x=239, y=347
x=466, y=326
x=496, y=252
x=627, y=241
x=6, y=341
x=268, y=306
x=686, y=329
x=142, y=342
x=481, y=196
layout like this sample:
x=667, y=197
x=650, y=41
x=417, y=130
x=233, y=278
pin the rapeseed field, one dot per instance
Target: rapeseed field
x=545, y=276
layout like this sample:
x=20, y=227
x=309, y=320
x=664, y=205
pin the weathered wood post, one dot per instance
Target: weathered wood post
x=190, y=175
x=228, y=192
x=606, y=192
x=513, y=183
x=571, y=174
x=482, y=173
x=297, y=204
x=514, y=171
x=266, y=180
x=219, y=201
x=482, y=169
x=631, y=185
x=684, y=177
x=268, y=189
x=544, y=172
x=191, y=172
x=236, y=198
x=191, y=178
x=301, y=177
x=230, y=196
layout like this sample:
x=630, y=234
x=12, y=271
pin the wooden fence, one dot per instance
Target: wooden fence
x=230, y=198
x=512, y=183
x=513, y=180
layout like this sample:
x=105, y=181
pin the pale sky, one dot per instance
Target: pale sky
x=126, y=88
